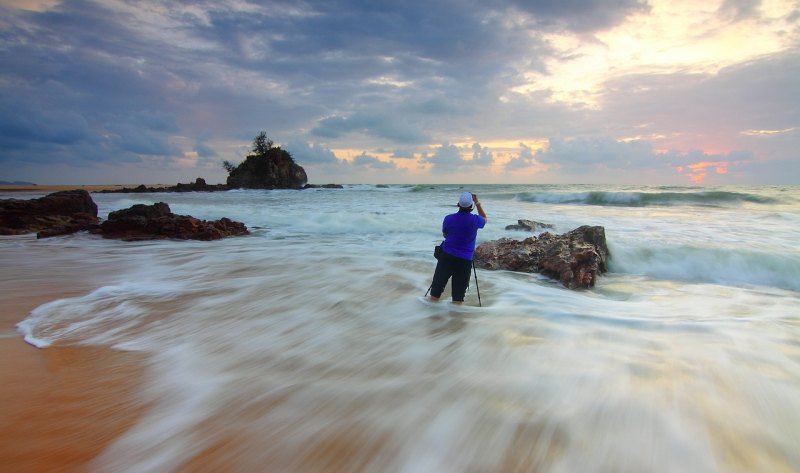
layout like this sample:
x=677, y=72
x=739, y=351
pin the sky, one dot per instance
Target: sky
x=639, y=92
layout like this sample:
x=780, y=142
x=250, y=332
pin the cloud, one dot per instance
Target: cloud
x=450, y=158
x=447, y=158
x=404, y=153
x=205, y=151
x=706, y=168
x=29, y=128
x=581, y=15
x=371, y=162
x=740, y=9
x=141, y=140
x=758, y=94
x=481, y=155
x=524, y=160
x=87, y=81
x=587, y=152
x=604, y=159
x=305, y=153
x=387, y=126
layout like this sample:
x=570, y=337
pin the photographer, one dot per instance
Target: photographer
x=455, y=260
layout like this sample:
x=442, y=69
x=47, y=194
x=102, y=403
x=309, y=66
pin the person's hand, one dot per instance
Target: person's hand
x=475, y=198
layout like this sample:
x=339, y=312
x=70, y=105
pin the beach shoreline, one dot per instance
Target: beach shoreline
x=49, y=188
x=60, y=406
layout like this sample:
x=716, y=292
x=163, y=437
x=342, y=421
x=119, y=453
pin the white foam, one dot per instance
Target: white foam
x=313, y=331
x=179, y=392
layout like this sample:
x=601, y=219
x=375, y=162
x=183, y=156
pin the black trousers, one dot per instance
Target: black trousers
x=457, y=268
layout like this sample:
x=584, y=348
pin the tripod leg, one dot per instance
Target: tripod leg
x=476, y=283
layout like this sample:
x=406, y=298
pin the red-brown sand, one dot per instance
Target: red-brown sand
x=59, y=406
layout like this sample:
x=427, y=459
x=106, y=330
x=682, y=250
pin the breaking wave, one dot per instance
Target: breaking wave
x=645, y=199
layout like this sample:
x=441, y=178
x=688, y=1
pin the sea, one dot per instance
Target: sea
x=308, y=345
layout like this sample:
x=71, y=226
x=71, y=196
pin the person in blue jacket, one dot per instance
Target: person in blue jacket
x=460, y=230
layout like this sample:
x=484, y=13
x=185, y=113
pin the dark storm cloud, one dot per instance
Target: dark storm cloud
x=82, y=88
x=28, y=126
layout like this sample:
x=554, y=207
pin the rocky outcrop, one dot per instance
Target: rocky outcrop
x=157, y=222
x=199, y=185
x=323, y=186
x=59, y=213
x=574, y=258
x=275, y=169
x=528, y=225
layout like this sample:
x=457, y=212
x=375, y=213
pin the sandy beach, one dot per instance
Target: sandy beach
x=59, y=406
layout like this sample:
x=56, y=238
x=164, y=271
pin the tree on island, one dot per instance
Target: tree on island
x=266, y=167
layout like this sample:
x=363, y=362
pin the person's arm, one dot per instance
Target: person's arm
x=480, y=209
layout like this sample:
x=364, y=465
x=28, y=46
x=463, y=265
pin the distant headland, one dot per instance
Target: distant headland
x=266, y=167
x=199, y=185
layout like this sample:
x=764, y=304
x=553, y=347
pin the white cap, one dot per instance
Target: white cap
x=465, y=201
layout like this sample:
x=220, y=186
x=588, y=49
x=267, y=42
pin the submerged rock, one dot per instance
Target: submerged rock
x=574, y=258
x=59, y=213
x=154, y=222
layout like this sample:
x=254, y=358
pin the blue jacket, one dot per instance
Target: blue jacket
x=460, y=230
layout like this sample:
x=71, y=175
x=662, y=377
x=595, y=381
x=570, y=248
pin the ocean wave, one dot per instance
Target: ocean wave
x=710, y=265
x=645, y=199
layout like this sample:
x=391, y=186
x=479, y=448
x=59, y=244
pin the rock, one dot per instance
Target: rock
x=154, y=222
x=323, y=186
x=528, y=225
x=574, y=258
x=59, y=213
x=199, y=185
x=275, y=169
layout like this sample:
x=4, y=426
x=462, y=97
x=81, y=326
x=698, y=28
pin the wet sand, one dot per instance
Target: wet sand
x=59, y=406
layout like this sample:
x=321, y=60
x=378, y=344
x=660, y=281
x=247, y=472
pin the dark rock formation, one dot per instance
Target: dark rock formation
x=574, y=258
x=275, y=169
x=323, y=186
x=199, y=185
x=155, y=222
x=58, y=213
x=528, y=225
